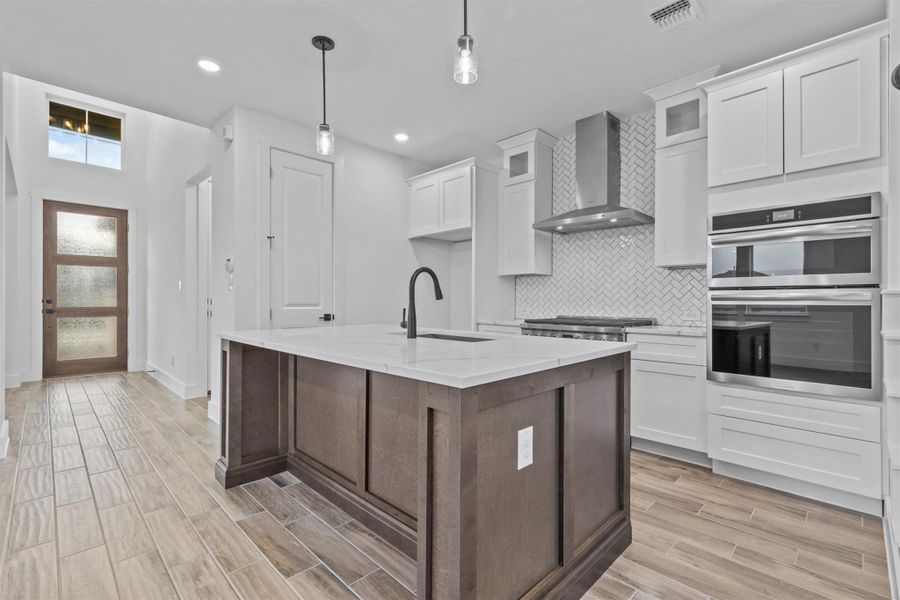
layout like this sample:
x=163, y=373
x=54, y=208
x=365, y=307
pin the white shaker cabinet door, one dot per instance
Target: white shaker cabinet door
x=456, y=199
x=424, y=207
x=681, y=196
x=517, y=236
x=832, y=108
x=668, y=403
x=746, y=130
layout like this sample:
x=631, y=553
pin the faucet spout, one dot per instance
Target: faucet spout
x=438, y=295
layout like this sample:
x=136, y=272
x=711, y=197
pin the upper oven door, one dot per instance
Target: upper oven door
x=817, y=341
x=828, y=254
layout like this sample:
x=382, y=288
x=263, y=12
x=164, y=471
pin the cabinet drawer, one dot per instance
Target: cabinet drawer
x=828, y=460
x=669, y=348
x=668, y=403
x=856, y=421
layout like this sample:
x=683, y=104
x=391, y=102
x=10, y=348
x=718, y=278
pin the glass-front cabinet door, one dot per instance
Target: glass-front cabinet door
x=518, y=162
x=681, y=118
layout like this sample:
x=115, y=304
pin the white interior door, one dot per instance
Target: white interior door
x=301, y=277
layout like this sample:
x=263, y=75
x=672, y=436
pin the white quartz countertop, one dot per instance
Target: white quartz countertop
x=386, y=349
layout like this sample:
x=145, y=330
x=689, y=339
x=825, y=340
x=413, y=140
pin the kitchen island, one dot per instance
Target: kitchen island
x=501, y=465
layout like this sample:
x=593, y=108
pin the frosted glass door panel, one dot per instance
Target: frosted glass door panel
x=85, y=235
x=83, y=286
x=86, y=337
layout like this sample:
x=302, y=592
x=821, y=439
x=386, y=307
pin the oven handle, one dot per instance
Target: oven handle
x=810, y=231
x=820, y=296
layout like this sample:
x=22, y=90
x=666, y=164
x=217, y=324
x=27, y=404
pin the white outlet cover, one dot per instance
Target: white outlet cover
x=525, y=453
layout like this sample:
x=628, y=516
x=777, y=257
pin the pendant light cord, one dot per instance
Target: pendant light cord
x=465, y=17
x=324, y=119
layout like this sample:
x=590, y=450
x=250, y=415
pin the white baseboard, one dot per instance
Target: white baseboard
x=213, y=412
x=195, y=390
x=891, y=549
x=13, y=381
x=863, y=504
x=172, y=383
x=689, y=456
x=4, y=439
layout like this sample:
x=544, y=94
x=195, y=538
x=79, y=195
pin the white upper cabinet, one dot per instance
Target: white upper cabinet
x=681, y=109
x=440, y=203
x=745, y=130
x=832, y=108
x=681, y=191
x=681, y=196
x=525, y=198
x=815, y=107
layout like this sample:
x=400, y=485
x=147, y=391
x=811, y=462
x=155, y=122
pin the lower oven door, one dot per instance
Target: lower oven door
x=817, y=341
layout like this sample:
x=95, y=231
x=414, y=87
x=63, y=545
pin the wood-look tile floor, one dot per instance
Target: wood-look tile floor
x=108, y=492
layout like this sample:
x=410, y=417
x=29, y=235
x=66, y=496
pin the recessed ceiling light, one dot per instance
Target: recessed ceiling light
x=401, y=137
x=613, y=220
x=209, y=66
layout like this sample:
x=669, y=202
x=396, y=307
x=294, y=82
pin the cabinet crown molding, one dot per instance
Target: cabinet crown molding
x=535, y=135
x=467, y=162
x=879, y=29
x=681, y=85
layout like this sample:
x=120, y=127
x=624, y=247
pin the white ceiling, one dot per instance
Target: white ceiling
x=542, y=63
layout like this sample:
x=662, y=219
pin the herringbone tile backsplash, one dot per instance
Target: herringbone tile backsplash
x=612, y=272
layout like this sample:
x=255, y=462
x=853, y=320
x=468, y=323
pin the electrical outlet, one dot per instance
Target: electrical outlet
x=526, y=447
x=172, y=360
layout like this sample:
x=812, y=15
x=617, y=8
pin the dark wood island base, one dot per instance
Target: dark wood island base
x=435, y=469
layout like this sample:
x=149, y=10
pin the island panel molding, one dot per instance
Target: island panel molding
x=433, y=469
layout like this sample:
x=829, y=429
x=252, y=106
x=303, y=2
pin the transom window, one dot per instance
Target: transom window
x=82, y=135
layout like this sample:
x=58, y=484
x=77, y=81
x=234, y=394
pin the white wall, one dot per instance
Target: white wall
x=176, y=152
x=373, y=258
x=154, y=147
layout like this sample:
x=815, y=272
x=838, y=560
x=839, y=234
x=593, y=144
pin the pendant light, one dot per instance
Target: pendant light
x=465, y=68
x=324, y=132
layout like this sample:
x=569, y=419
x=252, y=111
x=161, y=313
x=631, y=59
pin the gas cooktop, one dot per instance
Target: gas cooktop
x=581, y=327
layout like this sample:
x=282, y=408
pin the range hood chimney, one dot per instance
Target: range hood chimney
x=598, y=166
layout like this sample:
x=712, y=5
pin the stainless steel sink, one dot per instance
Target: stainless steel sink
x=453, y=338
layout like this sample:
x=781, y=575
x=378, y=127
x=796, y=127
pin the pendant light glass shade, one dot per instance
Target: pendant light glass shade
x=325, y=139
x=465, y=68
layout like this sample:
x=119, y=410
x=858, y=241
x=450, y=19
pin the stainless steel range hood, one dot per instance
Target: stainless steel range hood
x=597, y=180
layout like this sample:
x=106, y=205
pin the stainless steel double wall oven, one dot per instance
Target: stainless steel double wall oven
x=794, y=298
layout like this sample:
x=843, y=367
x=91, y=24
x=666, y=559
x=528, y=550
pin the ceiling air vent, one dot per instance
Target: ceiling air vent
x=676, y=15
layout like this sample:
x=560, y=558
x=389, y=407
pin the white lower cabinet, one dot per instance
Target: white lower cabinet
x=668, y=403
x=828, y=460
x=821, y=441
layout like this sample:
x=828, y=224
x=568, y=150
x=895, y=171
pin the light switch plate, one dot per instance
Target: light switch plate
x=526, y=447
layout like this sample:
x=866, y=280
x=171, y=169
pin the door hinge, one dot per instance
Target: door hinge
x=271, y=173
x=270, y=314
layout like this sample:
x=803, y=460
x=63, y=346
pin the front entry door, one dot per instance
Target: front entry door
x=85, y=301
x=300, y=241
